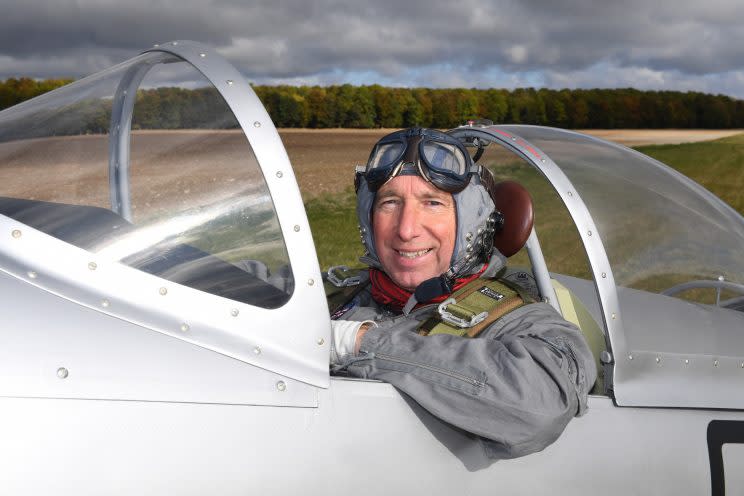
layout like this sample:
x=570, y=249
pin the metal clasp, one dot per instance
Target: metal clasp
x=338, y=281
x=461, y=322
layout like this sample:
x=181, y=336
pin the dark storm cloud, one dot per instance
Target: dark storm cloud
x=576, y=42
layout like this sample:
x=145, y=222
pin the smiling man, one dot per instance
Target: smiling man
x=414, y=229
x=435, y=318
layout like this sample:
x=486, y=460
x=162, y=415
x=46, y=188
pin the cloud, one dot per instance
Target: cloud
x=684, y=45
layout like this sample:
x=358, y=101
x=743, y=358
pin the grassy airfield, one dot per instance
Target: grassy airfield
x=717, y=165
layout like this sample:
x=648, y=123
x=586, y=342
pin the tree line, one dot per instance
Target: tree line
x=375, y=106
x=378, y=106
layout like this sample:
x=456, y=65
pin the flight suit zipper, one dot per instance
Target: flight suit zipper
x=448, y=373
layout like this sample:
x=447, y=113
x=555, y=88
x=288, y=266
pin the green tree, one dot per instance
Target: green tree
x=494, y=105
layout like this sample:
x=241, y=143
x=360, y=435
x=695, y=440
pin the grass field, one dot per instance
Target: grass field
x=718, y=165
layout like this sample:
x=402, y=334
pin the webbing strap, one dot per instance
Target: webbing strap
x=493, y=296
x=338, y=296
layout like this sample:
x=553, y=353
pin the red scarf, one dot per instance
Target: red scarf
x=386, y=292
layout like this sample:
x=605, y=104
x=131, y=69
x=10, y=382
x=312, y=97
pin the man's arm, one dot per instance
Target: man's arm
x=517, y=385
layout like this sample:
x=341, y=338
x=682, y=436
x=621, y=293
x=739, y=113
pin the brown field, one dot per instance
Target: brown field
x=324, y=159
x=178, y=164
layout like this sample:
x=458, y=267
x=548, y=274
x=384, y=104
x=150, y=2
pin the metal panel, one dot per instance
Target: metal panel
x=684, y=354
x=70, y=351
x=124, y=447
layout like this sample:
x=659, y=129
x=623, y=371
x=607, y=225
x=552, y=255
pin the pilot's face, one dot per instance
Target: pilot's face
x=414, y=228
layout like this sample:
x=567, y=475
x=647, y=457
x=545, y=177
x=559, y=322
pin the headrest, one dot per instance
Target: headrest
x=515, y=204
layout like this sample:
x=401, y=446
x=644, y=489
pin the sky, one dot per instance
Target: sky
x=680, y=45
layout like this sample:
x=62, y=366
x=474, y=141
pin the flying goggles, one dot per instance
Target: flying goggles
x=435, y=156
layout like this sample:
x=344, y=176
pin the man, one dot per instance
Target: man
x=513, y=377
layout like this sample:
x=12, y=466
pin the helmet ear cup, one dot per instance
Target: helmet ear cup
x=514, y=203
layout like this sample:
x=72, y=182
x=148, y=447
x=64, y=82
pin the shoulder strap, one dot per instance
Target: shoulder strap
x=474, y=307
x=342, y=285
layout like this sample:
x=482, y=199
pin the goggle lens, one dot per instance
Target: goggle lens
x=444, y=157
x=386, y=154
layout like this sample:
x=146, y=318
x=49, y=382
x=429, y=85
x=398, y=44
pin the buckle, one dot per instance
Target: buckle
x=338, y=281
x=456, y=321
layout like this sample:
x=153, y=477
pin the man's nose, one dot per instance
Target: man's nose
x=409, y=222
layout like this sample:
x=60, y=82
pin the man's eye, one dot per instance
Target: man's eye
x=388, y=202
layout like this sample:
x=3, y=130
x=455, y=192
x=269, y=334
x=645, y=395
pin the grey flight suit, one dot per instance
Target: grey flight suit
x=516, y=385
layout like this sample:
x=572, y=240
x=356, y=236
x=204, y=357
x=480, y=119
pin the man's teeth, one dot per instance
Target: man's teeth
x=414, y=254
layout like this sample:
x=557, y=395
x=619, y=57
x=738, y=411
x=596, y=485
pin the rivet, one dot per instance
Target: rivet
x=256, y=124
x=256, y=350
x=514, y=138
x=32, y=274
x=320, y=341
x=229, y=82
x=589, y=233
x=296, y=228
x=202, y=55
x=279, y=174
x=687, y=361
x=630, y=357
x=605, y=357
x=156, y=45
x=234, y=312
x=105, y=303
x=658, y=360
x=92, y=265
x=604, y=275
x=742, y=365
x=281, y=386
x=62, y=373
x=16, y=233
x=715, y=363
x=542, y=160
x=175, y=43
x=310, y=282
x=468, y=236
x=184, y=328
x=613, y=316
x=570, y=193
x=163, y=291
x=469, y=248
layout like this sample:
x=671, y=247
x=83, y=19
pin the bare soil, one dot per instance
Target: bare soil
x=179, y=164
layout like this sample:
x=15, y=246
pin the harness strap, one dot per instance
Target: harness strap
x=353, y=282
x=474, y=307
